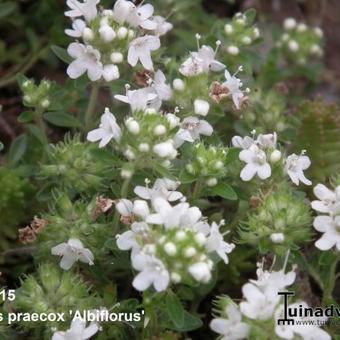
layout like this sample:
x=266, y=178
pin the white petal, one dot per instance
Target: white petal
x=105, y=139
x=264, y=171
x=320, y=206
x=162, y=281
x=90, y=331
x=67, y=261
x=132, y=57
x=323, y=193
x=248, y=172
x=146, y=61
x=126, y=240
x=94, y=72
x=124, y=207
x=326, y=242
x=205, y=128
x=75, y=69
x=143, y=280
x=322, y=223
x=95, y=135
x=219, y=326
x=246, y=156
x=75, y=50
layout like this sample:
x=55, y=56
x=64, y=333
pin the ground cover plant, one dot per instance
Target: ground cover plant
x=167, y=168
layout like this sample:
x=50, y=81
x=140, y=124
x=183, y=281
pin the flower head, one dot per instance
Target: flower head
x=140, y=49
x=77, y=331
x=330, y=227
x=71, y=252
x=78, y=26
x=107, y=130
x=87, y=59
x=294, y=167
x=233, y=84
x=88, y=9
x=191, y=129
x=256, y=160
x=232, y=328
x=329, y=200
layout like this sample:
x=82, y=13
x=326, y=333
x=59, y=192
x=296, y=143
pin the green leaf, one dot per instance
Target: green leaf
x=7, y=8
x=61, y=53
x=26, y=117
x=232, y=155
x=61, y=119
x=164, y=171
x=250, y=15
x=190, y=323
x=17, y=149
x=174, y=309
x=224, y=190
x=186, y=178
x=37, y=133
x=21, y=78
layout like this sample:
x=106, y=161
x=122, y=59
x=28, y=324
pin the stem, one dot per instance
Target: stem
x=22, y=68
x=329, y=287
x=91, y=106
x=197, y=189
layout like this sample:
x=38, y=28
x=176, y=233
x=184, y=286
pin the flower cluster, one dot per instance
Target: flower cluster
x=71, y=166
x=208, y=162
x=109, y=36
x=281, y=221
x=191, y=92
x=328, y=203
x=37, y=96
x=240, y=32
x=262, y=306
x=260, y=152
x=300, y=42
x=168, y=243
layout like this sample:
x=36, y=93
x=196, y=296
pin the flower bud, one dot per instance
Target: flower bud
x=170, y=249
x=233, y=50
x=301, y=27
x=228, y=29
x=164, y=149
x=289, y=24
x=201, y=107
x=132, y=126
x=159, y=130
x=175, y=277
x=293, y=45
x=107, y=33
x=200, y=272
x=126, y=173
x=88, y=34
x=131, y=34
x=173, y=120
x=275, y=156
x=200, y=239
x=256, y=32
x=190, y=252
x=246, y=40
x=180, y=235
x=211, y=182
x=178, y=84
x=140, y=208
x=277, y=238
x=110, y=72
x=143, y=147
x=122, y=32
x=45, y=103
x=116, y=57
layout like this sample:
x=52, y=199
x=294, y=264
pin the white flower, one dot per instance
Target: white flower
x=162, y=89
x=141, y=99
x=329, y=201
x=71, y=252
x=87, y=59
x=78, y=26
x=134, y=15
x=162, y=27
x=77, y=331
x=200, y=271
x=270, y=283
x=191, y=129
x=277, y=238
x=152, y=273
x=232, y=328
x=256, y=163
x=233, y=84
x=257, y=306
x=88, y=9
x=110, y=72
x=242, y=143
x=180, y=215
x=215, y=242
x=267, y=141
x=289, y=23
x=294, y=167
x=201, y=107
x=165, y=149
x=128, y=240
x=200, y=62
x=163, y=187
x=140, y=49
x=330, y=226
x=107, y=130
x=301, y=327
